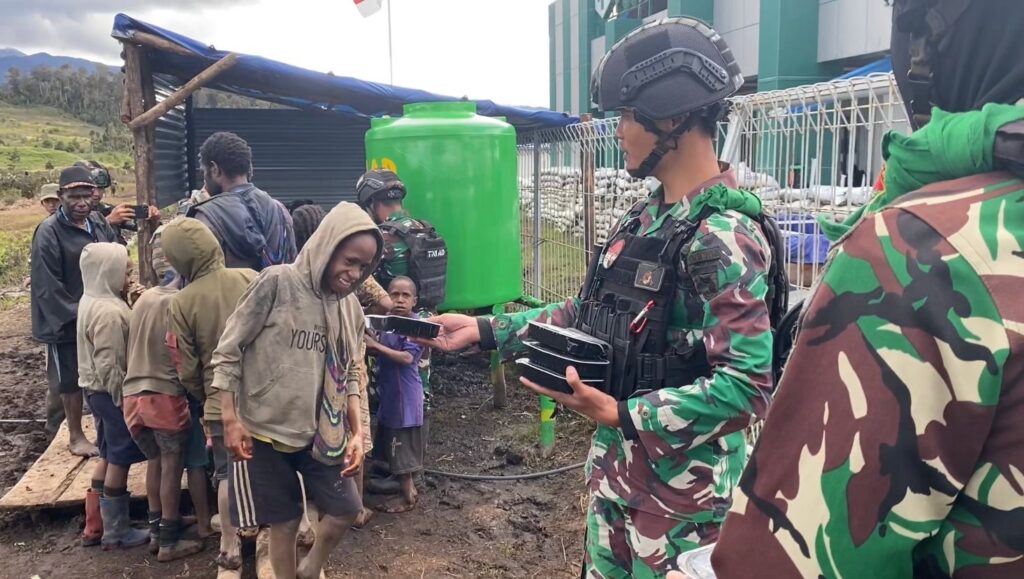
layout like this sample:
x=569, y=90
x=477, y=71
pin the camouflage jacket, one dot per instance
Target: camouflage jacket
x=395, y=261
x=680, y=450
x=894, y=446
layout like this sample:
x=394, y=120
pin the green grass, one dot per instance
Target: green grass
x=14, y=255
x=34, y=133
x=563, y=263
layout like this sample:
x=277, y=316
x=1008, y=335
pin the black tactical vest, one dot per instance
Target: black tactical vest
x=632, y=274
x=427, y=260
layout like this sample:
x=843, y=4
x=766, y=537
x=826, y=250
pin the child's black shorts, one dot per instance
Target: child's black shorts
x=265, y=490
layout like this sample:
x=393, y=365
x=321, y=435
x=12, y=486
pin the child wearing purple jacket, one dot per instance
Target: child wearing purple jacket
x=399, y=440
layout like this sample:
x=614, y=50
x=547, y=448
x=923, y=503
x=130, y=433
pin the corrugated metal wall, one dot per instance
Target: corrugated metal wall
x=171, y=154
x=296, y=154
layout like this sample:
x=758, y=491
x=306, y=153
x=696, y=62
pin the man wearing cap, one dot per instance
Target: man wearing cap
x=120, y=217
x=57, y=287
x=49, y=198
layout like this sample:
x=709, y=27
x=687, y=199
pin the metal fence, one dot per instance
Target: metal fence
x=806, y=152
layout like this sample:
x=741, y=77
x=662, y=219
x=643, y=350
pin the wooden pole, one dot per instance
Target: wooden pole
x=138, y=85
x=198, y=81
x=147, y=39
x=587, y=169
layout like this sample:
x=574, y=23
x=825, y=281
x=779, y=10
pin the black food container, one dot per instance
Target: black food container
x=410, y=327
x=569, y=341
x=557, y=362
x=547, y=378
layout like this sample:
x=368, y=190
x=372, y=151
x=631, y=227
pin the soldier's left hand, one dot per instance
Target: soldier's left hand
x=586, y=400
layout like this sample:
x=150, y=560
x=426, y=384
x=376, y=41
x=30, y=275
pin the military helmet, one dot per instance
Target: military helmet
x=934, y=67
x=666, y=69
x=100, y=175
x=379, y=185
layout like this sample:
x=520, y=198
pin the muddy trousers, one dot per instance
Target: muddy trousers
x=623, y=542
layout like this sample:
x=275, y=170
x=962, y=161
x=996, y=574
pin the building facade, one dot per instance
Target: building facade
x=778, y=43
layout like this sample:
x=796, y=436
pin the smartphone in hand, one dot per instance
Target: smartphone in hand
x=141, y=212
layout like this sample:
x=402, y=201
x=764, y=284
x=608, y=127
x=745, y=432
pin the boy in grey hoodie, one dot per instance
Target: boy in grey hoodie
x=286, y=365
x=102, y=362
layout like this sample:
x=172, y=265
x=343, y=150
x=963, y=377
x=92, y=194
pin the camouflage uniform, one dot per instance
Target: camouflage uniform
x=894, y=447
x=661, y=484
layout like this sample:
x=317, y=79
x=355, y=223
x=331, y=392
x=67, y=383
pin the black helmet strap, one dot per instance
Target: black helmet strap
x=666, y=142
x=929, y=24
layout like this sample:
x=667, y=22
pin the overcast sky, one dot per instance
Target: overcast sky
x=493, y=49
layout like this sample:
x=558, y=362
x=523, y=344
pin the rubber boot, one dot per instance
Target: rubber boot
x=93, y=531
x=117, y=530
x=172, y=546
x=154, y=532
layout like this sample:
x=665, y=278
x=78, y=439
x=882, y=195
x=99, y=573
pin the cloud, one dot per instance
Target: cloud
x=77, y=27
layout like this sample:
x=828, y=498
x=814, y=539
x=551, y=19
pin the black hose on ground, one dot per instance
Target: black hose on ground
x=485, y=477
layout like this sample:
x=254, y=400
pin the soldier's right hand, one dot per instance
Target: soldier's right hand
x=457, y=332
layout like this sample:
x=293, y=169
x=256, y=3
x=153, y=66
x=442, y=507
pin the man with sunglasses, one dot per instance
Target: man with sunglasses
x=685, y=291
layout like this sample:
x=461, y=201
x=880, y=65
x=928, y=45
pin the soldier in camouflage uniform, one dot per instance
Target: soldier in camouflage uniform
x=384, y=204
x=895, y=445
x=665, y=456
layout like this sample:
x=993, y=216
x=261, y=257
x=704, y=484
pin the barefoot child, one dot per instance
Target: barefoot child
x=287, y=369
x=399, y=439
x=102, y=360
x=156, y=409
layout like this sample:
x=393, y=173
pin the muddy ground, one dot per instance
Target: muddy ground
x=460, y=529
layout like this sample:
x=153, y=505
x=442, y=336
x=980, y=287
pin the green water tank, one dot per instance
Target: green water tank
x=460, y=172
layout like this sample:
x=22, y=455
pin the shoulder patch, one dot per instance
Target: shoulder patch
x=703, y=266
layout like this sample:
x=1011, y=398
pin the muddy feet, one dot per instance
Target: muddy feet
x=80, y=446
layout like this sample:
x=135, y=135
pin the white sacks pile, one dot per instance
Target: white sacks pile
x=561, y=198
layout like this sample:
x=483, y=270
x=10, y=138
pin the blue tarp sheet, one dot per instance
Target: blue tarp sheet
x=879, y=66
x=262, y=78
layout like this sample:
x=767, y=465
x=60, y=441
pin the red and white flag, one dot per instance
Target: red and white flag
x=368, y=7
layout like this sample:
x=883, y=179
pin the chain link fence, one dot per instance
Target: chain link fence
x=806, y=152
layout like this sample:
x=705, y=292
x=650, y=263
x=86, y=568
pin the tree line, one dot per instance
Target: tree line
x=95, y=98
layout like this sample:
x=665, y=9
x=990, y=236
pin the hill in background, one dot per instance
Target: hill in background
x=14, y=58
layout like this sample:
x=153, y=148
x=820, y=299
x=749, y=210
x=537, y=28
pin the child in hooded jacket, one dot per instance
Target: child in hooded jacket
x=103, y=319
x=287, y=368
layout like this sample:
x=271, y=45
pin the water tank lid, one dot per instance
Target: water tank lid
x=459, y=109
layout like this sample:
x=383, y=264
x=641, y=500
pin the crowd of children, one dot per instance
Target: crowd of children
x=265, y=372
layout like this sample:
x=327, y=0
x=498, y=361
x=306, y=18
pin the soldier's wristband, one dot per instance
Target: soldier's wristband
x=487, y=339
x=626, y=420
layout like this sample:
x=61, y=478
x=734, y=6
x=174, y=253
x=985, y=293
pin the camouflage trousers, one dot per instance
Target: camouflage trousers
x=623, y=542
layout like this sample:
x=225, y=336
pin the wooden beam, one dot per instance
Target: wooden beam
x=147, y=39
x=138, y=85
x=198, y=81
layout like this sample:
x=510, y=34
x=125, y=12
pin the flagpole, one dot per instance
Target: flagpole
x=391, y=62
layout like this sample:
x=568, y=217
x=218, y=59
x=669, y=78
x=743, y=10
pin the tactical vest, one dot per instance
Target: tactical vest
x=427, y=259
x=631, y=274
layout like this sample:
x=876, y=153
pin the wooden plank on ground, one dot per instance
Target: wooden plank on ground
x=75, y=493
x=59, y=479
x=50, y=475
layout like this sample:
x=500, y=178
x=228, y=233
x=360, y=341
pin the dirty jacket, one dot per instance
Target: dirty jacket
x=103, y=320
x=680, y=450
x=254, y=230
x=894, y=446
x=57, y=276
x=286, y=333
x=196, y=315
x=150, y=367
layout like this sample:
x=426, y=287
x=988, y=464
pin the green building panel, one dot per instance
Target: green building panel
x=788, y=46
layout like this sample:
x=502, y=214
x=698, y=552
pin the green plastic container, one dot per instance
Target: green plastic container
x=460, y=172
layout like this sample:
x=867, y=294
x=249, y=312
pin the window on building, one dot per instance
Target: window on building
x=640, y=9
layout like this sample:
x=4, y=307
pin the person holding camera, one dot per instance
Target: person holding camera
x=121, y=217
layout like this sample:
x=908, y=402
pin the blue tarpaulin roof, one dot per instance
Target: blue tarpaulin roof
x=262, y=78
x=883, y=65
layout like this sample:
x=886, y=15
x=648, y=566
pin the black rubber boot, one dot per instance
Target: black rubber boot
x=172, y=546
